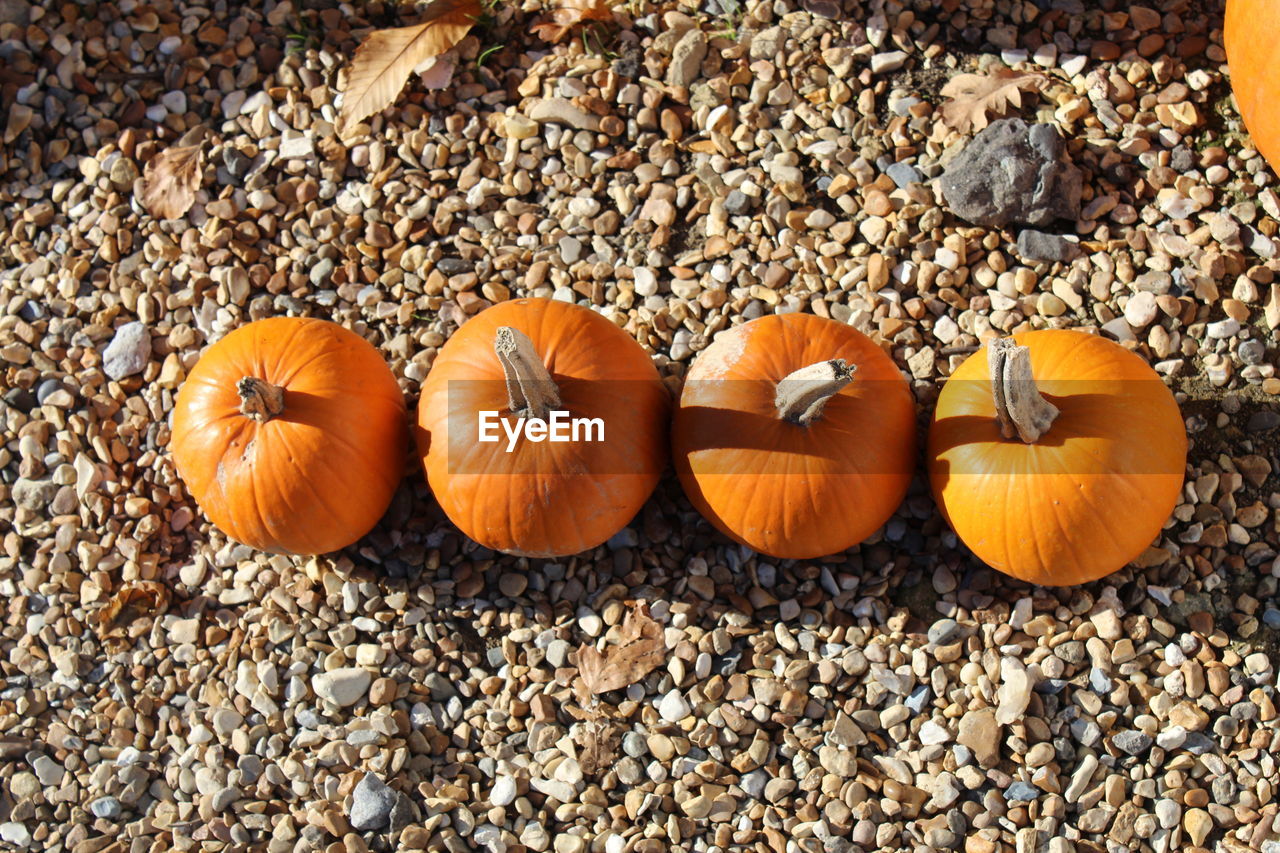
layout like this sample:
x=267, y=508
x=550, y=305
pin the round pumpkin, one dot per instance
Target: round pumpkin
x=515, y=365
x=1254, y=63
x=1056, y=456
x=795, y=435
x=291, y=435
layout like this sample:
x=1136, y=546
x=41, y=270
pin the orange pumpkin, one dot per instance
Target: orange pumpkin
x=1248, y=29
x=512, y=367
x=795, y=435
x=291, y=435
x=1056, y=456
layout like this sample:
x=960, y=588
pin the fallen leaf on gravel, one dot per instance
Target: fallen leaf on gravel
x=131, y=601
x=170, y=181
x=385, y=58
x=598, y=743
x=570, y=14
x=640, y=650
x=974, y=96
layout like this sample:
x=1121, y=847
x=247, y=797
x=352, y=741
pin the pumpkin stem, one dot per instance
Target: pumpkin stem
x=802, y=393
x=259, y=400
x=530, y=389
x=1022, y=412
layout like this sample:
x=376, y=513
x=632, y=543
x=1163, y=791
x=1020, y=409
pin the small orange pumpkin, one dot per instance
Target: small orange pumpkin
x=795, y=435
x=515, y=365
x=1056, y=456
x=291, y=435
x=1248, y=28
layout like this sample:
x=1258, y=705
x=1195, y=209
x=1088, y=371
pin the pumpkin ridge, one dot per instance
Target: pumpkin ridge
x=1067, y=531
x=285, y=349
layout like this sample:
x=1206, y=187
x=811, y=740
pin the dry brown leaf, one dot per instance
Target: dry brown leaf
x=640, y=650
x=598, y=742
x=170, y=181
x=974, y=96
x=131, y=601
x=385, y=58
x=569, y=14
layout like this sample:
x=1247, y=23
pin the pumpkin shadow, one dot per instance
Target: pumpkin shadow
x=733, y=429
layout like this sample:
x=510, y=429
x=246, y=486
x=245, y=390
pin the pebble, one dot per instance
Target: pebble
x=673, y=708
x=342, y=687
x=128, y=352
x=980, y=732
x=107, y=808
x=371, y=804
x=504, y=791
x=1132, y=742
x=882, y=63
x=1141, y=309
x=1039, y=246
x=15, y=833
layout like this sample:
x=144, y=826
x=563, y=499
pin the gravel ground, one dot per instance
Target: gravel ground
x=692, y=168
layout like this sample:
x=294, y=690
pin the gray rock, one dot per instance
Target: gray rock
x=1262, y=421
x=686, y=58
x=46, y=389
x=1021, y=792
x=1039, y=246
x=49, y=772
x=15, y=833
x=320, y=273
x=504, y=791
x=34, y=495
x=128, y=351
x=442, y=689
x=943, y=631
x=15, y=12
x=1131, y=742
x=1252, y=351
x=371, y=804
x=1013, y=172
x=404, y=813
x=1119, y=329
x=737, y=203
x=903, y=174
x=107, y=808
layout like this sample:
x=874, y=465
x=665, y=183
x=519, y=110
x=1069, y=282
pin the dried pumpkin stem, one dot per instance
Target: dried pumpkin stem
x=530, y=389
x=259, y=400
x=1022, y=412
x=802, y=393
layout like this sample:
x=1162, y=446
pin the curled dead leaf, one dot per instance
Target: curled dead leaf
x=170, y=181
x=386, y=58
x=639, y=651
x=133, y=601
x=976, y=96
x=570, y=14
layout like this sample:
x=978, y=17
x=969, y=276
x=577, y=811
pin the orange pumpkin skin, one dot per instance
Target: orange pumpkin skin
x=786, y=490
x=544, y=499
x=1092, y=493
x=1249, y=31
x=314, y=478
